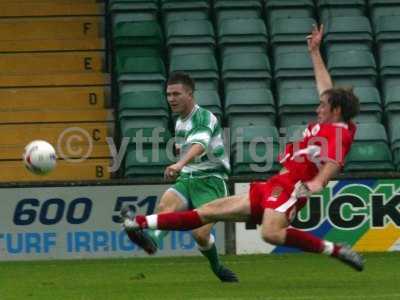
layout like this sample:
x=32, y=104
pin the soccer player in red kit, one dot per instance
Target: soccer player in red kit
x=308, y=165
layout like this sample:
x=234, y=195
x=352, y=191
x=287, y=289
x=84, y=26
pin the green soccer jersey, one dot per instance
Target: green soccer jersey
x=202, y=127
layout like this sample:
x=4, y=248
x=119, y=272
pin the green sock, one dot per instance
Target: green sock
x=157, y=236
x=212, y=256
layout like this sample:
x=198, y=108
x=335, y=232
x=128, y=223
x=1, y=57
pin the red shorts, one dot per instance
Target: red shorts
x=277, y=194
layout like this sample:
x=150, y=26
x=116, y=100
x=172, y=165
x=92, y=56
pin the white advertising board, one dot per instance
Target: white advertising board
x=363, y=213
x=81, y=222
x=248, y=240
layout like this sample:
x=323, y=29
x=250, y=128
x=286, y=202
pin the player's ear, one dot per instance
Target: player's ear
x=337, y=111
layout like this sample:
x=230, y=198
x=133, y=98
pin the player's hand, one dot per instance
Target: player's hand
x=301, y=190
x=315, y=38
x=313, y=186
x=172, y=171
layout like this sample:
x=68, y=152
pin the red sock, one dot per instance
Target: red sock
x=185, y=220
x=303, y=240
x=141, y=220
x=336, y=249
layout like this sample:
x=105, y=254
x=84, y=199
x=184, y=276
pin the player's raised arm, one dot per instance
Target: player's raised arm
x=322, y=77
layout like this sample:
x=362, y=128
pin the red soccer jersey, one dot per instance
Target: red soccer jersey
x=320, y=143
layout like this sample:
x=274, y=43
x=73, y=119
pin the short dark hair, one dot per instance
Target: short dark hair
x=345, y=99
x=181, y=78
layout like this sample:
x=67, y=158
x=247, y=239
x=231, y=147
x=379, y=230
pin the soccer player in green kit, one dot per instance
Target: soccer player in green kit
x=200, y=172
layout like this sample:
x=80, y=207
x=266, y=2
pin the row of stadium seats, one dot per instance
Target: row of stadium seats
x=272, y=9
x=263, y=67
x=191, y=46
x=256, y=148
x=54, y=81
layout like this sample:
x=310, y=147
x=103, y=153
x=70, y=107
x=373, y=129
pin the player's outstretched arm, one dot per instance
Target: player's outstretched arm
x=325, y=174
x=322, y=77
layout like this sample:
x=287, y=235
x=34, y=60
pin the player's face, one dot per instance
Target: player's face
x=180, y=99
x=325, y=112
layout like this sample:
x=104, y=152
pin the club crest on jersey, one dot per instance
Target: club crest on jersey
x=315, y=129
x=276, y=192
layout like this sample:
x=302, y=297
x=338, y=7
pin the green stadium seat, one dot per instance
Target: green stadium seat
x=254, y=150
x=242, y=35
x=176, y=10
x=202, y=67
x=144, y=128
x=370, y=150
x=297, y=106
x=244, y=106
x=395, y=143
x=246, y=70
x=190, y=31
x=380, y=8
x=134, y=69
x=209, y=99
x=288, y=34
x=387, y=33
x=293, y=69
x=236, y=9
x=348, y=33
x=352, y=67
x=138, y=34
x=147, y=162
x=391, y=100
x=389, y=68
x=143, y=103
x=370, y=105
x=275, y=9
x=395, y=136
x=134, y=10
x=340, y=8
x=190, y=37
x=143, y=111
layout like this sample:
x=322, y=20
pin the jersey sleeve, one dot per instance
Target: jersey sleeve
x=200, y=135
x=338, y=145
x=202, y=132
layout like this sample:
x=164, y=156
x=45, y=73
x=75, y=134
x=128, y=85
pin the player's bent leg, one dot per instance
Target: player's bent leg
x=138, y=236
x=234, y=208
x=202, y=236
x=206, y=243
x=274, y=226
x=170, y=201
x=275, y=231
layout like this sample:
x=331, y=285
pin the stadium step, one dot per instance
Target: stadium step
x=66, y=79
x=51, y=28
x=55, y=116
x=79, y=133
x=52, y=62
x=55, y=98
x=91, y=151
x=89, y=169
x=50, y=8
x=52, y=45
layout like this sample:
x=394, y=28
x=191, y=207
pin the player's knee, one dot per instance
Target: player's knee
x=272, y=236
x=162, y=207
x=206, y=213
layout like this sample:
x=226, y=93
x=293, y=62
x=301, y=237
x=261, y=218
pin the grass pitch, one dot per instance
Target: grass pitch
x=267, y=277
